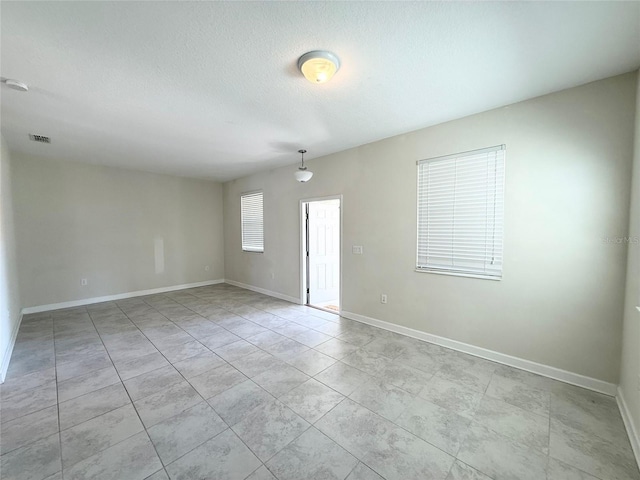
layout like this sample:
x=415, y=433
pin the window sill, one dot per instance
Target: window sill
x=253, y=251
x=458, y=274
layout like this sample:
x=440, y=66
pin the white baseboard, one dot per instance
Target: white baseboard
x=522, y=364
x=281, y=296
x=7, y=354
x=632, y=431
x=118, y=296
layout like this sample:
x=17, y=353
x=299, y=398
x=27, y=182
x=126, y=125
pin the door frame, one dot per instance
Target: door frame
x=303, y=245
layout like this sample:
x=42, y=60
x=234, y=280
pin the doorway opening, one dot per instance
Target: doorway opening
x=321, y=224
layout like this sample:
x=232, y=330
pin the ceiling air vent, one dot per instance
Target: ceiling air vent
x=39, y=138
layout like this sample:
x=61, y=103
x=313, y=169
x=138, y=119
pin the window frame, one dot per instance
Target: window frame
x=460, y=272
x=242, y=242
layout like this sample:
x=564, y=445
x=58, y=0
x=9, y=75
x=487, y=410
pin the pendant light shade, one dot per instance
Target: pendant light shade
x=303, y=175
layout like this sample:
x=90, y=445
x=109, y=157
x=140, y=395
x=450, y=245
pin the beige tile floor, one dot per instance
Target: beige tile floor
x=223, y=383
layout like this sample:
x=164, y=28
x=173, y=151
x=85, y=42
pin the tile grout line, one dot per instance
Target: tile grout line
x=204, y=400
x=484, y=394
x=311, y=425
x=126, y=391
x=230, y=427
x=146, y=430
x=156, y=309
x=549, y=455
x=55, y=369
x=355, y=466
x=474, y=468
x=37, y=387
x=35, y=411
x=342, y=446
x=359, y=347
x=401, y=427
x=472, y=418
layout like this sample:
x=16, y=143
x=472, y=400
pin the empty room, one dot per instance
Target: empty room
x=319, y=240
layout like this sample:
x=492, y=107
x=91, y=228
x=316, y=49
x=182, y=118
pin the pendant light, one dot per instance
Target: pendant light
x=303, y=175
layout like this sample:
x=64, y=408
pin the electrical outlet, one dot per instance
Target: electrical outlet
x=383, y=298
x=206, y=268
x=356, y=249
x=83, y=282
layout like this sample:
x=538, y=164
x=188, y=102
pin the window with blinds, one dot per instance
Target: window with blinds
x=252, y=220
x=461, y=213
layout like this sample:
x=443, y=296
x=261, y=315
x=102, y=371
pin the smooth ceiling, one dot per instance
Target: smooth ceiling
x=211, y=89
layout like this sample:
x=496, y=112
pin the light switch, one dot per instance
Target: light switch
x=356, y=249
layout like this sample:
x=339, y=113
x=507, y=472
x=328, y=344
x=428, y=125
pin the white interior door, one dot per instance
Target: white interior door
x=324, y=253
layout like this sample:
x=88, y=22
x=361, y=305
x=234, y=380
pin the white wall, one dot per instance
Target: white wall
x=567, y=186
x=77, y=221
x=9, y=291
x=630, y=371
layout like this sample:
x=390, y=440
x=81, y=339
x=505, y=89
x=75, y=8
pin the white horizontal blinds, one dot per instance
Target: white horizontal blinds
x=251, y=207
x=461, y=213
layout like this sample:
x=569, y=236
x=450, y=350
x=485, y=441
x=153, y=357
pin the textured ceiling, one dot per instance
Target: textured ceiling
x=211, y=89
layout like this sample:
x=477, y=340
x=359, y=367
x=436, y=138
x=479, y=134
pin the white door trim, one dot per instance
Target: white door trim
x=303, y=241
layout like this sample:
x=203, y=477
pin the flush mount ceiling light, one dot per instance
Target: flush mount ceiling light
x=16, y=85
x=318, y=66
x=303, y=175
